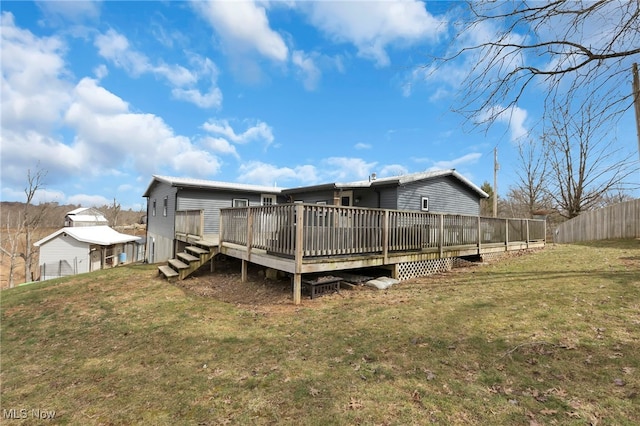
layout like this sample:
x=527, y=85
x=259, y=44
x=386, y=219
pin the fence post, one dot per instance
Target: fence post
x=441, y=235
x=249, y=232
x=299, y=251
x=527, y=233
x=479, y=235
x=506, y=234
x=385, y=237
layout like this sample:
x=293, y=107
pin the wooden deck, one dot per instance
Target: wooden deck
x=303, y=238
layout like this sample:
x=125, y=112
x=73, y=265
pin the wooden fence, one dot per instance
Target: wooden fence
x=613, y=222
x=333, y=230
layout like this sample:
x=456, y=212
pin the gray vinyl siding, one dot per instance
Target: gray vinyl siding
x=66, y=249
x=389, y=197
x=212, y=201
x=365, y=198
x=159, y=248
x=161, y=227
x=446, y=195
x=314, y=197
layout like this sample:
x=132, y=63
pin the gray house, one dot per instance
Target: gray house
x=168, y=195
x=170, y=201
x=443, y=191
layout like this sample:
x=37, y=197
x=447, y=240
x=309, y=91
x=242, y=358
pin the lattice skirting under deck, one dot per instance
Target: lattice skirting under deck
x=408, y=270
x=491, y=257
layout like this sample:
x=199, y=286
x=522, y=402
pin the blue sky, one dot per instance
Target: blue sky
x=102, y=95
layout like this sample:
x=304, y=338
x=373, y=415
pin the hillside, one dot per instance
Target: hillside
x=52, y=218
x=545, y=338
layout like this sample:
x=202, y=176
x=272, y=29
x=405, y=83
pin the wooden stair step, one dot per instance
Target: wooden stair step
x=177, y=264
x=197, y=250
x=188, y=258
x=167, y=271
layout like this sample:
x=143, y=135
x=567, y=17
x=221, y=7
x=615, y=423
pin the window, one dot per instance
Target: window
x=153, y=207
x=240, y=202
x=165, y=203
x=424, y=206
x=268, y=200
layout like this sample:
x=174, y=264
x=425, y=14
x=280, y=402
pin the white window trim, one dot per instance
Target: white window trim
x=153, y=207
x=271, y=197
x=422, y=202
x=165, y=206
x=245, y=200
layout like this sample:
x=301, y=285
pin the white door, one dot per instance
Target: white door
x=96, y=261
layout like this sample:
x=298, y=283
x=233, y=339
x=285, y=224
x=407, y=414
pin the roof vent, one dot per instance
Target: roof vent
x=372, y=177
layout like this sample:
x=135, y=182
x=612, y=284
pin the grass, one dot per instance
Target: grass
x=552, y=337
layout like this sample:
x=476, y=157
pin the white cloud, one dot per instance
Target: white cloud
x=344, y=169
x=243, y=26
x=393, y=170
x=213, y=98
x=76, y=10
x=513, y=116
x=115, y=47
x=220, y=145
x=109, y=135
x=34, y=91
x=307, y=68
x=261, y=131
x=196, y=163
x=87, y=200
x=374, y=26
x=259, y=173
x=361, y=145
x=466, y=159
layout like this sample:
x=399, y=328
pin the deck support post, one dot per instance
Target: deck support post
x=243, y=271
x=297, y=288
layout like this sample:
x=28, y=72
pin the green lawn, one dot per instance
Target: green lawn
x=551, y=337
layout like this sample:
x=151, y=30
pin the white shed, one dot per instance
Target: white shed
x=76, y=250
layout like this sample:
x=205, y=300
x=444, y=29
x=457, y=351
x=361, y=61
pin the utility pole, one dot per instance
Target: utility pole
x=636, y=100
x=496, y=167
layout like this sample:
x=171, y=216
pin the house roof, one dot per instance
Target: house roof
x=101, y=235
x=78, y=210
x=88, y=218
x=209, y=184
x=392, y=180
x=86, y=214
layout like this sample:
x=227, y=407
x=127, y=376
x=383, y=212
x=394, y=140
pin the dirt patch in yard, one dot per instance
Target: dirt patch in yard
x=258, y=292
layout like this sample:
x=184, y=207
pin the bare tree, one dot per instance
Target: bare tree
x=563, y=45
x=114, y=212
x=31, y=218
x=11, y=240
x=583, y=160
x=530, y=191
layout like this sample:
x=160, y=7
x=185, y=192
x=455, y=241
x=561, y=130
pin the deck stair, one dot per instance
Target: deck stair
x=190, y=260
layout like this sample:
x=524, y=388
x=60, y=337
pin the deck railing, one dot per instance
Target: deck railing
x=333, y=230
x=190, y=222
